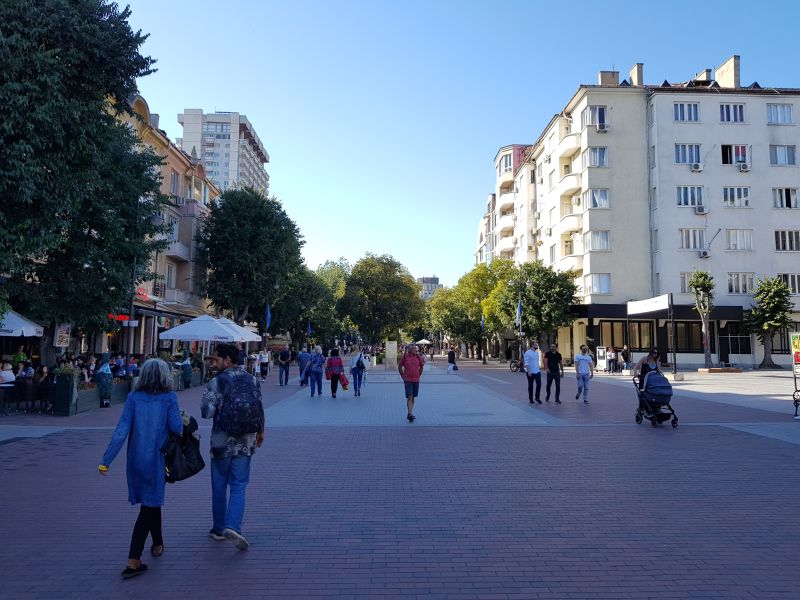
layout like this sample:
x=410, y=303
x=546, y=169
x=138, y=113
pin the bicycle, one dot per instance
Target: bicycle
x=516, y=365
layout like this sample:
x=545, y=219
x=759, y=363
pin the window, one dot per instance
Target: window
x=612, y=333
x=792, y=281
x=654, y=241
x=595, y=198
x=736, y=197
x=779, y=114
x=787, y=240
x=685, y=278
x=174, y=183
x=504, y=165
x=690, y=195
x=734, y=154
x=731, y=113
x=552, y=254
x=690, y=336
x=687, y=153
x=641, y=336
x=595, y=157
x=784, y=198
x=780, y=341
x=598, y=283
x=596, y=240
x=740, y=283
x=685, y=112
x=551, y=179
x=170, y=276
x=739, y=239
x=173, y=234
x=781, y=155
x=593, y=115
x=692, y=239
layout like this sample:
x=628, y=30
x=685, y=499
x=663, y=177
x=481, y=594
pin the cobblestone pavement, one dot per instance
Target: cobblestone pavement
x=484, y=496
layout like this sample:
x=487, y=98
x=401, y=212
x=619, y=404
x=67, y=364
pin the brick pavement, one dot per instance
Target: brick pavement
x=573, y=501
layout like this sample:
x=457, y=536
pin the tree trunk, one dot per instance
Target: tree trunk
x=47, y=355
x=766, y=362
x=706, y=345
x=239, y=316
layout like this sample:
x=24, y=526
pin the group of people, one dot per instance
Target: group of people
x=617, y=360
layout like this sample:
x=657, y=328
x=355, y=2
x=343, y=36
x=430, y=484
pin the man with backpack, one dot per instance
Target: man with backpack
x=358, y=364
x=233, y=400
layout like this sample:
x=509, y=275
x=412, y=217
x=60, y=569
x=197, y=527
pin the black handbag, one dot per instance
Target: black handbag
x=182, y=456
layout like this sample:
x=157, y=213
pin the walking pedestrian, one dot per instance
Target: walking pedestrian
x=532, y=360
x=451, y=360
x=150, y=412
x=358, y=364
x=410, y=368
x=233, y=400
x=626, y=357
x=555, y=371
x=302, y=362
x=612, y=359
x=316, y=366
x=584, y=371
x=284, y=358
x=334, y=369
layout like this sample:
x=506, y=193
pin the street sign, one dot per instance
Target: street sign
x=795, y=345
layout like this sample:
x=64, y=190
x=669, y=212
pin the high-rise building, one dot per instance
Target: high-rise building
x=429, y=286
x=229, y=147
x=635, y=186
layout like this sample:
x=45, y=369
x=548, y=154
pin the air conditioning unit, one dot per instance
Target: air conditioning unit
x=744, y=167
x=700, y=210
x=602, y=127
x=704, y=254
x=547, y=158
x=548, y=231
x=696, y=167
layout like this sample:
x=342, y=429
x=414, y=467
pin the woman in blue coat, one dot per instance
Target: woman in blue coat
x=150, y=412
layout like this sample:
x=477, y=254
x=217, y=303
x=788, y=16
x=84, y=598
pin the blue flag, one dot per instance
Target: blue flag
x=518, y=318
x=269, y=317
x=308, y=328
x=483, y=323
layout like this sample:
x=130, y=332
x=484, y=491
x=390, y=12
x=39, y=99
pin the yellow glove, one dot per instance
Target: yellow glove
x=103, y=469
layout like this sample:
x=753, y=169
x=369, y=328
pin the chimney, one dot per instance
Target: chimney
x=728, y=73
x=154, y=118
x=704, y=75
x=608, y=78
x=637, y=75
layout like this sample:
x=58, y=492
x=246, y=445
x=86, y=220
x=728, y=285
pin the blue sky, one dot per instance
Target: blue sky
x=382, y=119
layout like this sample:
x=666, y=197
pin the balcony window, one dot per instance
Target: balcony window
x=597, y=283
x=595, y=198
x=599, y=240
x=596, y=156
x=594, y=115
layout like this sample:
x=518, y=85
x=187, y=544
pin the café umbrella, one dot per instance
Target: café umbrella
x=246, y=334
x=201, y=329
x=15, y=325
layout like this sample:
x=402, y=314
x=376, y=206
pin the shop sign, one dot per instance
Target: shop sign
x=62, y=335
x=795, y=344
x=142, y=294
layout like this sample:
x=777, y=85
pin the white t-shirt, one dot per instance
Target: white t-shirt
x=532, y=361
x=7, y=377
x=582, y=362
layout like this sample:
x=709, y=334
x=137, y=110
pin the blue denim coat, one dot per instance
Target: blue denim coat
x=145, y=421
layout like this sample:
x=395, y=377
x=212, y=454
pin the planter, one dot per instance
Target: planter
x=65, y=395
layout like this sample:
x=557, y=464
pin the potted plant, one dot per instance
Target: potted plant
x=65, y=391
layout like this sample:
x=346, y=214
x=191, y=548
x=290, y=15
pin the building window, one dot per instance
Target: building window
x=792, y=281
x=597, y=283
x=739, y=239
x=687, y=153
x=731, y=113
x=174, y=183
x=612, y=333
x=654, y=241
x=596, y=240
x=779, y=114
x=641, y=336
x=740, y=283
x=552, y=254
x=685, y=112
x=734, y=154
x=593, y=115
x=595, y=156
x=787, y=240
x=690, y=195
x=692, y=239
x=780, y=341
x=551, y=179
x=736, y=197
x=170, y=276
x=781, y=155
x=784, y=198
x=504, y=165
x=685, y=278
x=690, y=336
x=595, y=198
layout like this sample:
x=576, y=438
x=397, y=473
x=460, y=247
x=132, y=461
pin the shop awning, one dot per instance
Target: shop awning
x=15, y=325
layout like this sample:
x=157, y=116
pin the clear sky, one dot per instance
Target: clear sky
x=382, y=118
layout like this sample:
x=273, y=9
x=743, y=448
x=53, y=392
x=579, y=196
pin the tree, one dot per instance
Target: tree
x=247, y=244
x=701, y=285
x=302, y=298
x=380, y=297
x=65, y=67
x=770, y=314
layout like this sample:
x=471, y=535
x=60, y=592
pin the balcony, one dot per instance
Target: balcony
x=505, y=224
x=505, y=179
x=569, y=184
x=571, y=262
x=178, y=251
x=571, y=221
x=176, y=296
x=569, y=145
x=506, y=245
x=506, y=201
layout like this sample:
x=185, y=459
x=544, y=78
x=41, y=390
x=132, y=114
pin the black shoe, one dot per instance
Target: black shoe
x=531, y=401
x=586, y=402
x=578, y=395
x=558, y=401
x=539, y=401
x=131, y=572
x=547, y=398
x=410, y=418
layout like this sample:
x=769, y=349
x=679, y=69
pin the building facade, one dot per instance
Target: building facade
x=635, y=186
x=429, y=286
x=229, y=147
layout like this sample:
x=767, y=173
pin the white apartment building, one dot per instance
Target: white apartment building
x=635, y=186
x=228, y=145
x=429, y=286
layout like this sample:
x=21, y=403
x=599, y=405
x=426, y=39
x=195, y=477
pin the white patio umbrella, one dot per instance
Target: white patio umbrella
x=423, y=342
x=15, y=325
x=245, y=334
x=201, y=329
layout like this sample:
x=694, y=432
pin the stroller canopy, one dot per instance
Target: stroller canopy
x=656, y=385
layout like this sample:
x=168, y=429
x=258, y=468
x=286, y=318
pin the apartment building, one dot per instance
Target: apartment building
x=429, y=286
x=229, y=147
x=636, y=185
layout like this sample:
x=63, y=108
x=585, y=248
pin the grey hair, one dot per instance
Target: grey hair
x=155, y=377
x=318, y=349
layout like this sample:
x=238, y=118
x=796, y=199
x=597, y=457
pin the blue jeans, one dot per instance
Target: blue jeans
x=230, y=472
x=316, y=379
x=283, y=376
x=358, y=378
x=583, y=382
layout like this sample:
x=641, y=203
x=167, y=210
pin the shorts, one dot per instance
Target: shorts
x=412, y=388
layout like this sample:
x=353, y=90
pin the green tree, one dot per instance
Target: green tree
x=302, y=297
x=701, y=285
x=770, y=314
x=380, y=297
x=247, y=244
x=66, y=66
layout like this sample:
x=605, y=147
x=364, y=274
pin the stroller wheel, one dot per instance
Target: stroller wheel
x=638, y=418
x=654, y=422
x=674, y=423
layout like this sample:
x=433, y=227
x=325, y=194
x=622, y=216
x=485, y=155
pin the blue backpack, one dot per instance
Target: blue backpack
x=242, y=411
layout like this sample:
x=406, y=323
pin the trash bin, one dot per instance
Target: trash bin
x=65, y=395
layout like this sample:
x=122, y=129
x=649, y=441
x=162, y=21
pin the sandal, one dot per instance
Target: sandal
x=158, y=552
x=131, y=572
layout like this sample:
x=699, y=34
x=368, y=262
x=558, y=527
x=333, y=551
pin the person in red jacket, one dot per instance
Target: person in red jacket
x=411, y=367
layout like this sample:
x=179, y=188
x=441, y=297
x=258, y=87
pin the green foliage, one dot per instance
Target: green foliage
x=334, y=274
x=772, y=308
x=380, y=297
x=61, y=64
x=303, y=296
x=248, y=244
x=701, y=285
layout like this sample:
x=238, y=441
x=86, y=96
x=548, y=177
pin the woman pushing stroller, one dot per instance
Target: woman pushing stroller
x=654, y=392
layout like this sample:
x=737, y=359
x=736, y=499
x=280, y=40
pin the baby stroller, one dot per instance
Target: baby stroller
x=654, y=399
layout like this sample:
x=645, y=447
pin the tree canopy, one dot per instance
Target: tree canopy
x=771, y=313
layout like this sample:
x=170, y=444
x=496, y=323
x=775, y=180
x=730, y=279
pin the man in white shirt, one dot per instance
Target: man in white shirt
x=532, y=358
x=584, y=371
